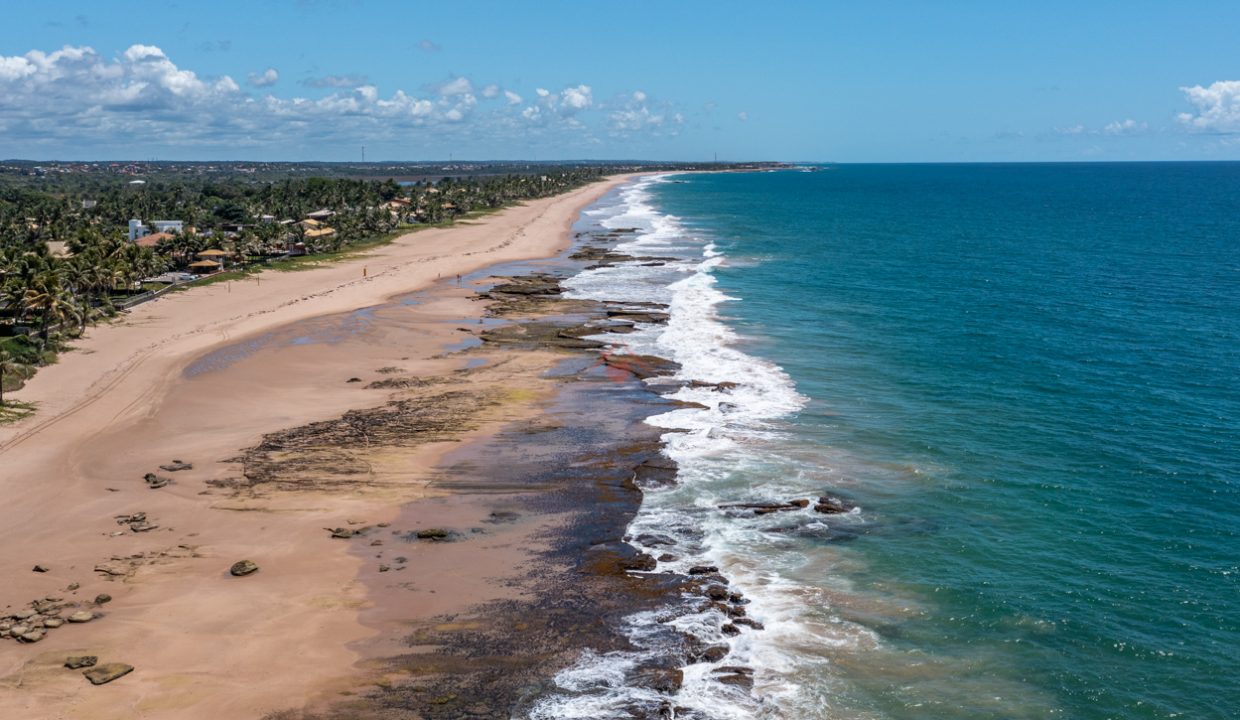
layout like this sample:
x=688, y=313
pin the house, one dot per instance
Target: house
x=89, y=204
x=58, y=249
x=150, y=241
x=321, y=215
x=138, y=230
x=320, y=233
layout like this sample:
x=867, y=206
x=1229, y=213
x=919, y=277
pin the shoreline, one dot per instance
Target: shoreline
x=128, y=421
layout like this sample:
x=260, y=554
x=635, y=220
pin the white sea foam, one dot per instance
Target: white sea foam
x=738, y=431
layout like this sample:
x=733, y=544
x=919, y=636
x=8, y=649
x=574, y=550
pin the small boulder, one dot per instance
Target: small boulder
x=102, y=598
x=732, y=675
x=177, y=465
x=242, y=568
x=717, y=592
x=832, y=505
x=341, y=533
x=74, y=662
x=703, y=570
x=156, y=482
x=33, y=636
x=107, y=672
x=432, y=534
x=81, y=616
x=53, y=623
x=40, y=568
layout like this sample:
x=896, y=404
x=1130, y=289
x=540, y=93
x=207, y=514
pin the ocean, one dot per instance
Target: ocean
x=1023, y=383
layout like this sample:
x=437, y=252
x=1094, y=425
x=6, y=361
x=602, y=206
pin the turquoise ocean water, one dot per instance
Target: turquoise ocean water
x=1027, y=377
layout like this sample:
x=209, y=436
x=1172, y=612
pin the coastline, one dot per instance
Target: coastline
x=175, y=613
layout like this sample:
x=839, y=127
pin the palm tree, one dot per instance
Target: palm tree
x=47, y=297
x=8, y=366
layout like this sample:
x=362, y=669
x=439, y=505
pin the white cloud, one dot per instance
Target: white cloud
x=1125, y=127
x=16, y=68
x=1217, y=107
x=742, y=116
x=456, y=86
x=1071, y=130
x=631, y=114
x=574, y=99
x=426, y=45
x=266, y=78
x=78, y=99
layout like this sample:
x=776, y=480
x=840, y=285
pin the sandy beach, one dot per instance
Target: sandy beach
x=204, y=375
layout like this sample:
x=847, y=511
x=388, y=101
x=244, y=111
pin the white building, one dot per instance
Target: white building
x=138, y=230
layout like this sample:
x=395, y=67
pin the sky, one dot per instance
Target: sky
x=875, y=81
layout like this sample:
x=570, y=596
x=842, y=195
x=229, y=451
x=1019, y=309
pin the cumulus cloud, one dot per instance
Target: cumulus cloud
x=456, y=86
x=742, y=116
x=629, y=114
x=574, y=99
x=76, y=98
x=1216, y=108
x=1125, y=127
x=564, y=105
x=335, y=81
x=266, y=78
x=426, y=45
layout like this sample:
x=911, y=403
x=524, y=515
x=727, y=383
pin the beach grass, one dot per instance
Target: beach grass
x=13, y=410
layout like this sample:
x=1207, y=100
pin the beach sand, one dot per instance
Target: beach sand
x=203, y=375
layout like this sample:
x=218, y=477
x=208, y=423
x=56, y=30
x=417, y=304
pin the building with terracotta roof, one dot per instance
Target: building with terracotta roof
x=150, y=241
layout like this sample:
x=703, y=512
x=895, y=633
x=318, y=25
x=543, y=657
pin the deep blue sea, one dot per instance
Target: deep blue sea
x=1026, y=377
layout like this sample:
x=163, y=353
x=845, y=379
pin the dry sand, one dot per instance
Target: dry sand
x=198, y=376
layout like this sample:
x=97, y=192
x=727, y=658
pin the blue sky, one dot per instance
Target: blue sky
x=820, y=81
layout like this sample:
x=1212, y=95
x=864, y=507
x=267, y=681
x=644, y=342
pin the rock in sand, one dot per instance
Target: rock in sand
x=242, y=568
x=107, y=672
